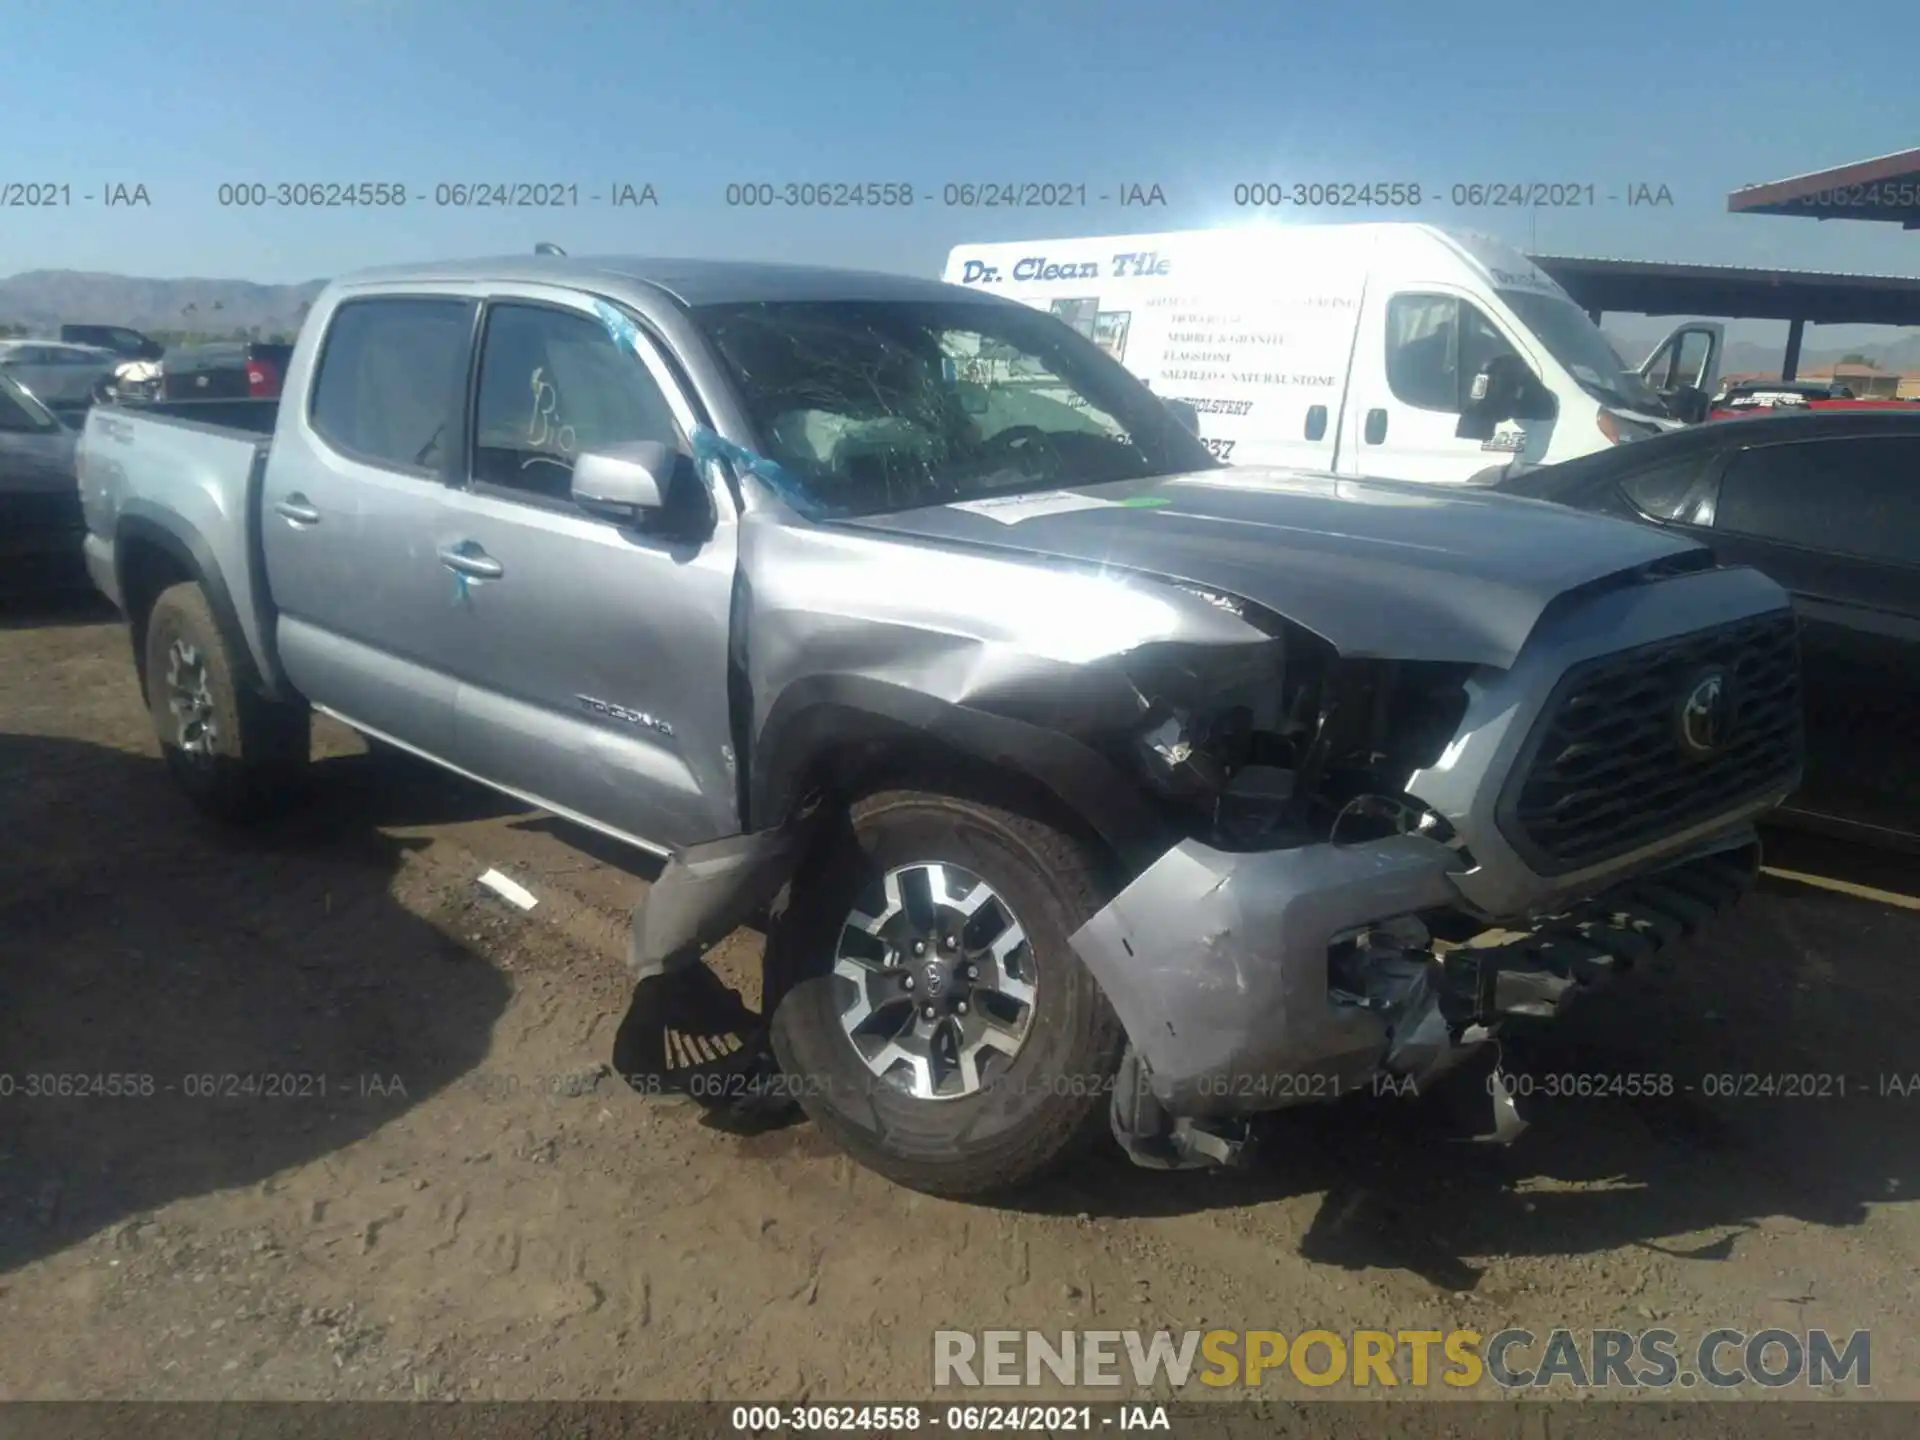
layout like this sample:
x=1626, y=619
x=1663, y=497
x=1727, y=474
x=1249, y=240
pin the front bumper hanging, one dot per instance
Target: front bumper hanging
x=1251, y=982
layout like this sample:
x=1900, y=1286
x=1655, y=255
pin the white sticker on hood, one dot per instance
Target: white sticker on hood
x=1012, y=509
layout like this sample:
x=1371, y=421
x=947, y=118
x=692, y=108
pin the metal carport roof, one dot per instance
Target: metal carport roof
x=1651, y=287
x=1885, y=189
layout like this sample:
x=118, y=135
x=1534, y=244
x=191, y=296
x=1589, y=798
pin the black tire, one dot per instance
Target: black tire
x=1051, y=1099
x=257, y=750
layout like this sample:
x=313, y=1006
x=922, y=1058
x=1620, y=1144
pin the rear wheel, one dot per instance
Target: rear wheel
x=941, y=1028
x=237, y=755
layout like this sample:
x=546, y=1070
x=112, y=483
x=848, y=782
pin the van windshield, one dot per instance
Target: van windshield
x=1576, y=342
x=891, y=404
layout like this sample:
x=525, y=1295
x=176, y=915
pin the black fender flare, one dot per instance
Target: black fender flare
x=826, y=715
x=148, y=525
x=709, y=889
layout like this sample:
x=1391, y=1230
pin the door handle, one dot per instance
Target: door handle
x=1316, y=422
x=1376, y=430
x=467, y=558
x=297, y=508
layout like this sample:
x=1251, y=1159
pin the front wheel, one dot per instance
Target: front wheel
x=941, y=1028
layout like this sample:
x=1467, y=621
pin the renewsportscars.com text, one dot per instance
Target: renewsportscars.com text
x=1512, y=1359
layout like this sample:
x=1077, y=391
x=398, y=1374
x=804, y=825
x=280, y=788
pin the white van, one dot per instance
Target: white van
x=1400, y=351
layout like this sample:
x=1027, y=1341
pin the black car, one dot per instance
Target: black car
x=1827, y=504
x=225, y=370
x=41, y=527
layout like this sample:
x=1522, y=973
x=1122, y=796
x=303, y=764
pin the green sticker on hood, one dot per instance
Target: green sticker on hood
x=1145, y=502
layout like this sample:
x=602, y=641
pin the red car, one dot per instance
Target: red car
x=1774, y=397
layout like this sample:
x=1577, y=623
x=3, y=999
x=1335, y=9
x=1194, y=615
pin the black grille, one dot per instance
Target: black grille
x=1605, y=770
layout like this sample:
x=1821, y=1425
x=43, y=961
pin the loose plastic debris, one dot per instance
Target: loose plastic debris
x=509, y=890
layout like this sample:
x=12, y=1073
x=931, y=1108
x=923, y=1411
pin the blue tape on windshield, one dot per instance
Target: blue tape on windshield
x=709, y=446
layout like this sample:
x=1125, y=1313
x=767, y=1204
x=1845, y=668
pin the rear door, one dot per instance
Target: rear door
x=1837, y=522
x=591, y=656
x=349, y=509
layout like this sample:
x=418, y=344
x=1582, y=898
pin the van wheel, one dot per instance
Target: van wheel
x=238, y=756
x=936, y=1022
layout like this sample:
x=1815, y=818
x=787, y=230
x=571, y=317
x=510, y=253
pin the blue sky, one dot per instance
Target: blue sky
x=181, y=97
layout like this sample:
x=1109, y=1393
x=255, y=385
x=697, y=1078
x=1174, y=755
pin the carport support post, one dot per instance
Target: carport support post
x=1790, y=367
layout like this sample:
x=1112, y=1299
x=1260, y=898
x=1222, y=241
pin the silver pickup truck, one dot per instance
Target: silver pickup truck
x=1088, y=784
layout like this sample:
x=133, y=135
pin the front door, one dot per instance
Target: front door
x=592, y=658
x=1413, y=370
x=1689, y=358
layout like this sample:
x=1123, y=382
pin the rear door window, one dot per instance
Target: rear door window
x=1858, y=497
x=391, y=382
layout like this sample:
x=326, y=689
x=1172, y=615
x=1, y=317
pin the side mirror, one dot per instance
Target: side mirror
x=624, y=482
x=974, y=399
x=1505, y=389
x=1689, y=404
x=1184, y=412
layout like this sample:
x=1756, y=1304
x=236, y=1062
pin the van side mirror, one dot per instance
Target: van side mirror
x=1184, y=412
x=624, y=482
x=1505, y=389
x=1688, y=404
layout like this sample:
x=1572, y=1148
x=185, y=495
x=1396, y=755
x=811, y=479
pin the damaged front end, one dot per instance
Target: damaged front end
x=1300, y=924
x=1314, y=933
x=1253, y=982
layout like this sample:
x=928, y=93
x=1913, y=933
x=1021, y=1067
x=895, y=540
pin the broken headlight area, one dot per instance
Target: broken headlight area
x=1280, y=755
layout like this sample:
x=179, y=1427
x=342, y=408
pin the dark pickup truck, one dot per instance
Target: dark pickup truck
x=127, y=344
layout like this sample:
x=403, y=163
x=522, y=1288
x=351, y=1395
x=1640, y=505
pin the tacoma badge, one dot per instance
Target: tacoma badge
x=621, y=712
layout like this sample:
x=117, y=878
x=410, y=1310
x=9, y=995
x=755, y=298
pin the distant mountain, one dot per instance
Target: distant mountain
x=43, y=299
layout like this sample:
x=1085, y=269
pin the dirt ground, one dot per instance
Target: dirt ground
x=475, y=1208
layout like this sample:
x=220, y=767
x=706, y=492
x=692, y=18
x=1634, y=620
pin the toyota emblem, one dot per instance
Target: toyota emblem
x=1706, y=714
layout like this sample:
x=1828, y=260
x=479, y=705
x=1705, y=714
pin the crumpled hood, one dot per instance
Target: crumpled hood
x=1377, y=568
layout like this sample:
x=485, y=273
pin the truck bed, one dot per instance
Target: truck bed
x=185, y=475
x=255, y=417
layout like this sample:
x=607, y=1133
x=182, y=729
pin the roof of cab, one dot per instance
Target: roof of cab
x=691, y=282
